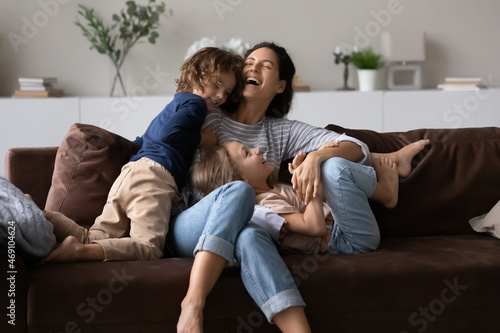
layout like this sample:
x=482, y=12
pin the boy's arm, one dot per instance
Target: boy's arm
x=184, y=126
x=310, y=223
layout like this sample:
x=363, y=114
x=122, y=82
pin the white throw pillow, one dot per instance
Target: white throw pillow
x=489, y=222
x=22, y=224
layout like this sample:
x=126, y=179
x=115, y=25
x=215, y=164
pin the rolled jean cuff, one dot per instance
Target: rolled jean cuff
x=215, y=245
x=282, y=301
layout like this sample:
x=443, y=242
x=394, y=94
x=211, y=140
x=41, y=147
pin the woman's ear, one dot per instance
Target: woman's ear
x=281, y=87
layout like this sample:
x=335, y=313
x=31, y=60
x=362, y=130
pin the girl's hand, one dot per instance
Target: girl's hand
x=297, y=160
x=306, y=178
x=208, y=137
x=329, y=144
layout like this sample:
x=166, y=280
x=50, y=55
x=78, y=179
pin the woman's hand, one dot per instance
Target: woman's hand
x=306, y=177
x=307, y=181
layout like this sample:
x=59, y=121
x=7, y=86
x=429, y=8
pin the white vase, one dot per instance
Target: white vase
x=367, y=79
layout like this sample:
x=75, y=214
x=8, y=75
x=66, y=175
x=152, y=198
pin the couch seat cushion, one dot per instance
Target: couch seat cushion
x=374, y=292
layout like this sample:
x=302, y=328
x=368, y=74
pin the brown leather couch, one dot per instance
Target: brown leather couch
x=432, y=272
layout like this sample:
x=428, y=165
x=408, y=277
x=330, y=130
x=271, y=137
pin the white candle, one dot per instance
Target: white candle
x=337, y=50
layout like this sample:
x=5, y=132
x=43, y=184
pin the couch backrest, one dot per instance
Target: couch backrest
x=455, y=178
x=30, y=170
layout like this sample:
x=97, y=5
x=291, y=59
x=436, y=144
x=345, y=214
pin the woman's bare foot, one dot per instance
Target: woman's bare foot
x=387, y=188
x=191, y=318
x=404, y=156
x=72, y=250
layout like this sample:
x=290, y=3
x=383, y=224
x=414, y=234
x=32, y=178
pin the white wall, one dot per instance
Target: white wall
x=462, y=39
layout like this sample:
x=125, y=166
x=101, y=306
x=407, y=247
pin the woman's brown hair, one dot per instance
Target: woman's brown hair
x=211, y=62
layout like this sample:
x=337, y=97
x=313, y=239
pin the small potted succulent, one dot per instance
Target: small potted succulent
x=368, y=63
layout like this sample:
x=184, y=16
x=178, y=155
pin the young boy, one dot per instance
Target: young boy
x=135, y=219
x=304, y=228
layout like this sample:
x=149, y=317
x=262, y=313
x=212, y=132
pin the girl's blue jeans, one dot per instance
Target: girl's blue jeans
x=348, y=186
x=219, y=224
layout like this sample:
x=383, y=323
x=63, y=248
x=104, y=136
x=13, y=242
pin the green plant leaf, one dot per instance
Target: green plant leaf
x=366, y=59
x=143, y=14
x=100, y=49
x=116, y=18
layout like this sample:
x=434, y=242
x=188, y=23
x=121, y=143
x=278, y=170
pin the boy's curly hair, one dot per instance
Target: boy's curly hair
x=211, y=62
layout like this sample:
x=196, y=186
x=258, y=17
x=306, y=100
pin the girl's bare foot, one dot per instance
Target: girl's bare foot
x=404, y=156
x=191, y=318
x=387, y=188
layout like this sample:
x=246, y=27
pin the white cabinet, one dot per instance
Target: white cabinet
x=128, y=117
x=390, y=111
x=345, y=108
x=440, y=109
x=35, y=122
x=44, y=122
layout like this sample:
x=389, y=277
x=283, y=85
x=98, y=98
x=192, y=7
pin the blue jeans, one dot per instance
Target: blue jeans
x=219, y=224
x=348, y=186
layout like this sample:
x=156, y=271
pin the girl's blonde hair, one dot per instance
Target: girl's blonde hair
x=211, y=62
x=214, y=169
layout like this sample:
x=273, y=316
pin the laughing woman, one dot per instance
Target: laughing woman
x=215, y=231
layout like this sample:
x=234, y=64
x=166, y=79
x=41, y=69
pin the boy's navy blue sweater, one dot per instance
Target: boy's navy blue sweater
x=174, y=134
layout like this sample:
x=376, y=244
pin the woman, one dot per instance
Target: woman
x=257, y=122
x=219, y=236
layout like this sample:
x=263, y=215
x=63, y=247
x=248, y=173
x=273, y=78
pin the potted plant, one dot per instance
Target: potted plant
x=367, y=62
x=134, y=23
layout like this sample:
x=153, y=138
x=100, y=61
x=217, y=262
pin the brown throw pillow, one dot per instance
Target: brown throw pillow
x=87, y=163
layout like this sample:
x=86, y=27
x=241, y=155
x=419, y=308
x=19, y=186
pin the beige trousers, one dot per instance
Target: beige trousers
x=135, y=219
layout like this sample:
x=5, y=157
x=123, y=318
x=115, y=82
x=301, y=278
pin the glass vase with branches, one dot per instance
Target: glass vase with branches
x=134, y=23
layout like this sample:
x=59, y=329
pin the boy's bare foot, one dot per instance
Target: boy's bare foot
x=387, y=188
x=65, y=252
x=72, y=250
x=404, y=156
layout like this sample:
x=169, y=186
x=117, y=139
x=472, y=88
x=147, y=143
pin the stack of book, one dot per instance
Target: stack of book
x=461, y=84
x=298, y=85
x=37, y=87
